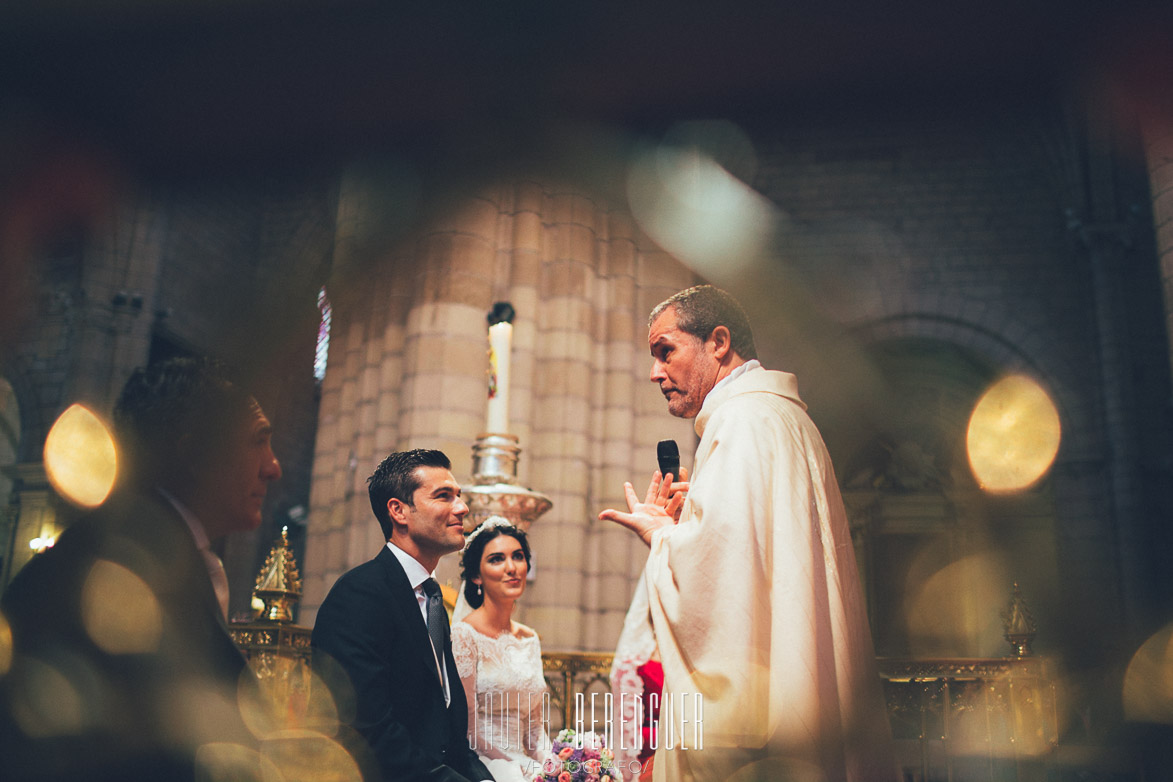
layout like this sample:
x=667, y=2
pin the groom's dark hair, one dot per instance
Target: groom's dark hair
x=396, y=478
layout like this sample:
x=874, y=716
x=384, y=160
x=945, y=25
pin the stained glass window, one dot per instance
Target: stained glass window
x=323, y=336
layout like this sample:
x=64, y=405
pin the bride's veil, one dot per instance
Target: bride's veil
x=462, y=608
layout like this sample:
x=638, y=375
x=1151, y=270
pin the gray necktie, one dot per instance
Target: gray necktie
x=437, y=619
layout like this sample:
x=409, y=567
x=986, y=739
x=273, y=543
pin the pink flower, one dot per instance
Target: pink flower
x=565, y=777
x=590, y=753
x=593, y=767
x=565, y=753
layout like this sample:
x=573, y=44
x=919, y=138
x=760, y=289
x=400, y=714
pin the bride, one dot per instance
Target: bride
x=500, y=660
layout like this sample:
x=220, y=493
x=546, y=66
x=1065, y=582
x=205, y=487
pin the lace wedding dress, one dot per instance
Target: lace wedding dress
x=506, y=691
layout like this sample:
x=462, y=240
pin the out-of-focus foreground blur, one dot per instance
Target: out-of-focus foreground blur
x=953, y=223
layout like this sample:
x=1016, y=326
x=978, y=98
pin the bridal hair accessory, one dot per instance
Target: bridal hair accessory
x=489, y=523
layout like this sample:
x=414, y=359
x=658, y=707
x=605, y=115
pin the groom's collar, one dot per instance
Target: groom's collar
x=416, y=573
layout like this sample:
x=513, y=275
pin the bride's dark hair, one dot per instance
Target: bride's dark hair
x=470, y=560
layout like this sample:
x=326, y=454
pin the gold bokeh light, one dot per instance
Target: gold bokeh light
x=1148, y=681
x=120, y=611
x=44, y=702
x=5, y=645
x=80, y=458
x=1013, y=435
x=224, y=762
x=306, y=754
x=947, y=613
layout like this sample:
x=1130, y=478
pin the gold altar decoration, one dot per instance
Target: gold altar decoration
x=985, y=719
x=277, y=650
x=569, y=674
x=971, y=718
x=278, y=583
x=982, y=719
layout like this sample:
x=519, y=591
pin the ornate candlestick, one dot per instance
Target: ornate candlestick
x=495, y=491
x=279, y=583
x=278, y=651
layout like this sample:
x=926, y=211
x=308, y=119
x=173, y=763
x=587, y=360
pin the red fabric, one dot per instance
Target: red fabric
x=645, y=775
x=651, y=674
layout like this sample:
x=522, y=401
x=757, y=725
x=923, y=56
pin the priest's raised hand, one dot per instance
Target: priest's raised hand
x=660, y=508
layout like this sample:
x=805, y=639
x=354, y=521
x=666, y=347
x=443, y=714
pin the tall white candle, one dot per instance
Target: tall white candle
x=500, y=345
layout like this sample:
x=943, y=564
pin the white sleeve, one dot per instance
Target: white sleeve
x=464, y=651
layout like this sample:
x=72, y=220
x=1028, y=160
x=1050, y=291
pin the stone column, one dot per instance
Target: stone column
x=1158, y=142
x=563, y=417
x=407, y=369
x=1106, y=255
x=36, y=516
x=366, y=343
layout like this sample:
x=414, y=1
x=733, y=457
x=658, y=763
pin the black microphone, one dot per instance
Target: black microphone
x=668, y=457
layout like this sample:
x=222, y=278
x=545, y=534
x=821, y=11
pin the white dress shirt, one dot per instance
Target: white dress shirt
x=416, y=576
x=216, y=572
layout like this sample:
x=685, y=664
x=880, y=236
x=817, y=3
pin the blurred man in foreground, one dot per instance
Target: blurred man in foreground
x=753, y=598
x=123, y=667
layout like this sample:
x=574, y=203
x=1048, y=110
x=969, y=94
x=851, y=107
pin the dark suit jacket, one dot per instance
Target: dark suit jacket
x=370, y=625
x=144, y=706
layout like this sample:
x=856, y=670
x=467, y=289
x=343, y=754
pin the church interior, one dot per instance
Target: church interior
x=952, y=222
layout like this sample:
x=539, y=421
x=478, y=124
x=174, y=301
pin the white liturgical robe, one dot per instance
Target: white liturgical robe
x=756, y=606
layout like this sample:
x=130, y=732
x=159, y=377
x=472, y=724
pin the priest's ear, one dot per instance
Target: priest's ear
x=721, y=341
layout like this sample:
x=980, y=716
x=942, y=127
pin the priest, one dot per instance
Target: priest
x=752, y=597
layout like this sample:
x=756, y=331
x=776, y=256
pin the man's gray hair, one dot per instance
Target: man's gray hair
x=702, y=308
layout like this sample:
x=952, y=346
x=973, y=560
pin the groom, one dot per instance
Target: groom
x=384, y=623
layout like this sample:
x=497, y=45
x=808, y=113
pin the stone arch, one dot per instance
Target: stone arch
x=1006, y=345
x=10, y=436
x=32, y=424
x=10, y=456
x=938, y=555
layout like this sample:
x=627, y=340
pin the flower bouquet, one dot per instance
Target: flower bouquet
x=578, y=757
